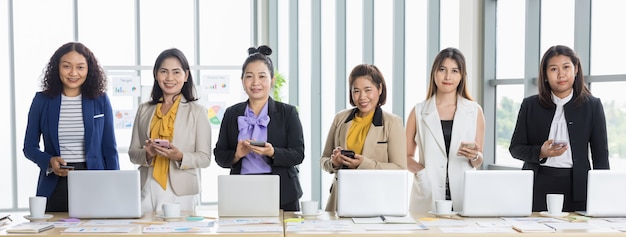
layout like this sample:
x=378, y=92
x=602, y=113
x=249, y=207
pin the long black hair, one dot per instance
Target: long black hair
x=188, y=89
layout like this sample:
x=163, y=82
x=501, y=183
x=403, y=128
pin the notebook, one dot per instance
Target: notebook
x=248, y=195
x=104, y=194
x=606, y=196
x=495, y=193
x=368, y=193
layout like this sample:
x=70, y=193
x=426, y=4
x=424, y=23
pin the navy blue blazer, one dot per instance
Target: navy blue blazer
x=586, y=125
x=284, y=132
x=43, y=120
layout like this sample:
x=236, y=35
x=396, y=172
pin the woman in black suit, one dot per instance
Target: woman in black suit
x=556, y=128
x=260, y=118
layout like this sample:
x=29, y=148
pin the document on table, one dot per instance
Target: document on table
x=113, y=222
x=431, y=222
x=571, y=226
x=384, y=219
x=175, y=229
x=319, y=226
x=247, y=221
x=468, y=230
x=249, y=228
x=394, y=227
x=98, y=230
x=530, y=227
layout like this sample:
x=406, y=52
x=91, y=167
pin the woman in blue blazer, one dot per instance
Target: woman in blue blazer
x=73, y=115
x=262, y=119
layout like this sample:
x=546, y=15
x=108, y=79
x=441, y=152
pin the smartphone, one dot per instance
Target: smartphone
x=348, y=153
x=469, y=145
x=67, y=167
x=162, y=143
x=257, y=143
x=559, y=143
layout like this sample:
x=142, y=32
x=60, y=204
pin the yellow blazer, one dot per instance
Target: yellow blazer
x=192, y=135
x=384, y=148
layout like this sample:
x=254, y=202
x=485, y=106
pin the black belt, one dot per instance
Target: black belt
x=554, y=171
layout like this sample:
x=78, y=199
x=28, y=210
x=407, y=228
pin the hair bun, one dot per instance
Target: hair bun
x=263, y=49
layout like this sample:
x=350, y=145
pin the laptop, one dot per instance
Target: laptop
x=605, y=195
x=368, y=193
x=104, y=194
x=248, y=195
x=497, y=193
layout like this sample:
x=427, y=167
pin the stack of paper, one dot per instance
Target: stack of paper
x=529, y=227
x=28, y=227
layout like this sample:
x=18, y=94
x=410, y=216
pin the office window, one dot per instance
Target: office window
x=508, y=101
x=607, y=45
x=510, y=35
x=6, y=171
x=509, y=65
x=166, y=24
x=224, y=31
x=615, y=111
x=554, y=29
x=31, y=57
x=417, y=72
x=383, y=46
x=449, y=24
x=112, y=40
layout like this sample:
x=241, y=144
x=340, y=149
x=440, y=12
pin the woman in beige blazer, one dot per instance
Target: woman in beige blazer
x=449, y=129
x=376, y=137
x=170, y=172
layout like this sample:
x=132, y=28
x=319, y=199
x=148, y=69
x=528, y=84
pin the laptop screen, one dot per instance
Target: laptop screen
x=605, y=195
x=497, y=193
x=365, y=193
x=248, y=195
x=104, y=194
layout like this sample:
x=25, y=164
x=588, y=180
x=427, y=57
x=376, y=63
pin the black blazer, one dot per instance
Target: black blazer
x=587, y=128
x=284, y=132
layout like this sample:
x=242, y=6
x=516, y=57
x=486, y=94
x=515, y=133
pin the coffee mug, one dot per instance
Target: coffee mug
x=171, y=209
x=554, y=203
x=309, y=207
x=443, y=206
x=37, y=206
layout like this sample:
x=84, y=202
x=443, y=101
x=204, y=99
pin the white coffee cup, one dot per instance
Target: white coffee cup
x=171, y=209
x=443, y=206
x=37, y=206
x=555, y=203
x=308, y=207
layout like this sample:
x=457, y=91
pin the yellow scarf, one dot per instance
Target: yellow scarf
x=358, y=132
x=162, y=127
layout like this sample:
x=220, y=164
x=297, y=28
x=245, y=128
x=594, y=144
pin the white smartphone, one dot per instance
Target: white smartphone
x=470, y=145
x=162, y=143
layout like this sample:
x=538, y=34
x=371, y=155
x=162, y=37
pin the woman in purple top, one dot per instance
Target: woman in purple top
x=260, y=135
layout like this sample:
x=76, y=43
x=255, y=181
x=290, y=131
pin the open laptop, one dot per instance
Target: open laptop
x=491, y=193
x=104, y=194
x=368, y=193
x=248, y=195
x=606, y=196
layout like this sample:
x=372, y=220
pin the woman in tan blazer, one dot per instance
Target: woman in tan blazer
x=170, y=172
x=376, y=137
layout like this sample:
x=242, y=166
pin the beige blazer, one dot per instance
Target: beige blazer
x=384, y=148
x=192, y=135
x=429, y=183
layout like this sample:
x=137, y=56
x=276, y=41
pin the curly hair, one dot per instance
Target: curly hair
x=95, y=83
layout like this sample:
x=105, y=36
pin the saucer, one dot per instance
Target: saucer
x=562, y=214
x=171, y=218
x=45, y=217
x=443, y=214
x=319, y=212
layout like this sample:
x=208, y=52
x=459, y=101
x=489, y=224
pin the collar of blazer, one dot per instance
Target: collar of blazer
x=377, y=120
